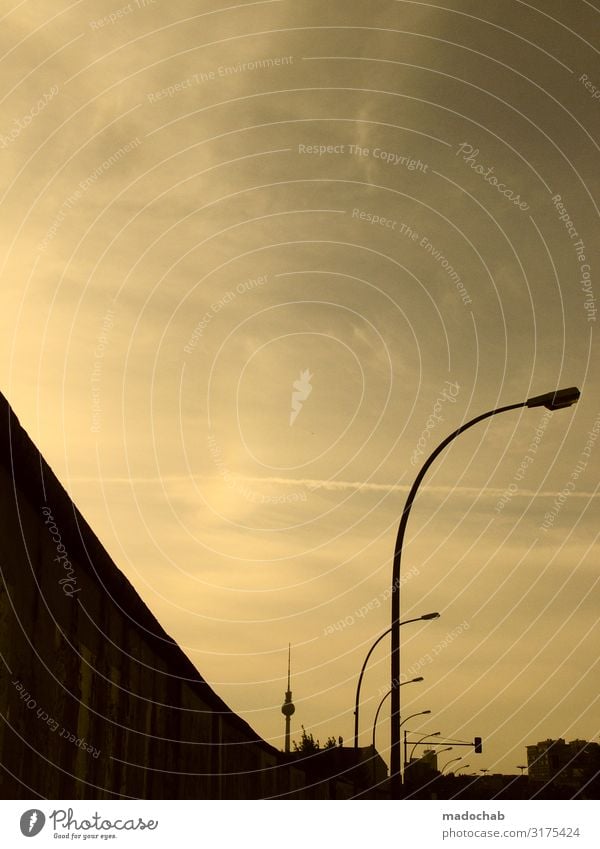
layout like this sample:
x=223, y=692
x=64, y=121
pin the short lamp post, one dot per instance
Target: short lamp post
x=420, y=740
x=451, y=761
x=412, y=716
x=408, y=758
x=425, y=618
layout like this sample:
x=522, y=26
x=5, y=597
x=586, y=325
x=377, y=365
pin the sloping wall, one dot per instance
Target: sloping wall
x=96, y=700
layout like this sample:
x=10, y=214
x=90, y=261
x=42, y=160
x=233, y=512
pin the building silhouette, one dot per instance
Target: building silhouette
x=573, y=767
x=556, y=770
x=421, y=769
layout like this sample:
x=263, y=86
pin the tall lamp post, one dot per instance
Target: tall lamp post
x=424, y=618
x=552, y=401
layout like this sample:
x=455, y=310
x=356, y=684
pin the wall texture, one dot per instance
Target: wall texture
x=96, y=700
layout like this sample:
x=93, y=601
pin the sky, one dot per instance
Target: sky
x=258, y=260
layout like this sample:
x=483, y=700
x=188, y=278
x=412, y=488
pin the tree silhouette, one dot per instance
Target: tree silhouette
x=308, y=745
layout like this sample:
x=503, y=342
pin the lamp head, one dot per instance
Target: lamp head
x=556, y=400
x=431, y=616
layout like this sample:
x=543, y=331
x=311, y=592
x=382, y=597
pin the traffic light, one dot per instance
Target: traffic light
x=477, y=745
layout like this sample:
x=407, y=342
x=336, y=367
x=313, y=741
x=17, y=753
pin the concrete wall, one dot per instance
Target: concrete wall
x=96, y=700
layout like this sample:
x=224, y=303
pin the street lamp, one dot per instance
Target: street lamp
x=380, y=705
x=556, y=400
x=425, y=736
x=420, y=713
x=441, y=751
x=408, y=758
x=412, y=716
x=466, y=766
x=451, y=761
x=425, y=617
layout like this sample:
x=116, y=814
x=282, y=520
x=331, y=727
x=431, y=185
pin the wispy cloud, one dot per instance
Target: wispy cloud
x=329, y=485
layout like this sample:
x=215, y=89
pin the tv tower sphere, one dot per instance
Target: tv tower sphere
x=288, y=709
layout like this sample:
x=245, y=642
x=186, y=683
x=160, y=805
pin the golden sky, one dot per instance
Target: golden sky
x=258, y=259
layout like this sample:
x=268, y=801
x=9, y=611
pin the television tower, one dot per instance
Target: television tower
x=288, y=708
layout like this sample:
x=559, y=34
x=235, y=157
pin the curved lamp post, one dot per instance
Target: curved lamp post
x=412, y=716
x=449, y=749
x=408, y=758
x=425, y=617
x=552, y=401
x=466, y=766
x=451, y=761
x=425, y=736
x=441, y=752
x=380, y=705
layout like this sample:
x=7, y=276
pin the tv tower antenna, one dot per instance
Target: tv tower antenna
x=288, y=708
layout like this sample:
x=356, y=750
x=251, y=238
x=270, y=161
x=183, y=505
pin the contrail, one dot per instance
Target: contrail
x=303, y=390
